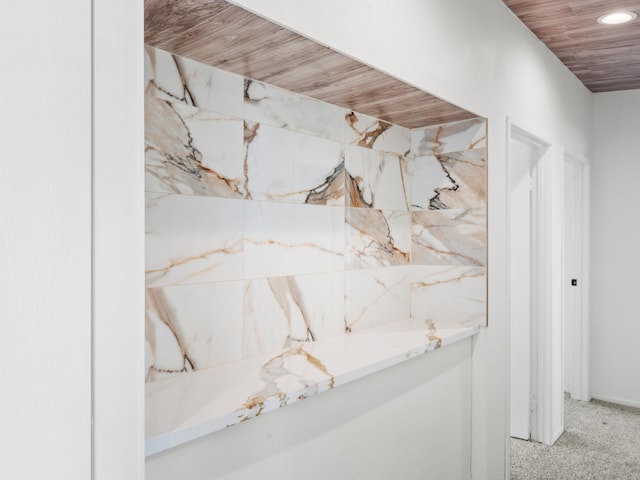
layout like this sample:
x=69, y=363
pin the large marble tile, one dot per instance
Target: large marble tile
x=449, y=237
x=285, y=166
x=376, y=296
x=425, y=176
x=377, y=238
x=178, y=79
x=191, y=327
x=192, y=239
x=448, y=180
x=289, y=239
x=274, y=106
x=190, y=150
x=449, y=296
x=451, y=137
x=375, y=180
x=281, y=312
x=369, y=132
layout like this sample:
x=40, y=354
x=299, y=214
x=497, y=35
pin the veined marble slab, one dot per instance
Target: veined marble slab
x=375, y=180
x=289, y=239
x=282, y=312
x=285, y=166
x=191, y=327
x=449, y=296
x=449, y=237
x=190, y=150
x=192, y=239
x=377, y=238
x=266, y=104
x=451, y=137
x=177, y=79
x=185, y=407
x=448, y=180
x=373, y=296
x=369, y=132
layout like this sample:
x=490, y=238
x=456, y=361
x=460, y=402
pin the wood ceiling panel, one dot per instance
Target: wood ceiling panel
x=603, y=57
x=164, y=19
x=228, y=37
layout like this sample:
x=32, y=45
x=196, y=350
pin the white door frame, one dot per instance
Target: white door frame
x=547, y=418
x=579, y=387
x=523, y=166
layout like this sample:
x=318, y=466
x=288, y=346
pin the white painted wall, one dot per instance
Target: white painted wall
x=45, y=240
x=410, y=421
x=615, y=236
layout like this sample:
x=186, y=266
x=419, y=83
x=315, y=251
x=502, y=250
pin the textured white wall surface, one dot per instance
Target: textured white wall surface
x=45, y=241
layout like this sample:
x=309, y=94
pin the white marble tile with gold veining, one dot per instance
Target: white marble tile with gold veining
x=191, y=239
x=290, y=239
x=266, y=104
x=451, y=137
x=185, y=407
x=425, y=175
x=377, y=238
x=369, y=132
x=190, y=150
x=191, y=327
x=375, y=180
x=449, y=237
x=374, y=296
x=449, y=296
x=281, y=312
x=448, y=181
x=285, y=166
x=178, y=79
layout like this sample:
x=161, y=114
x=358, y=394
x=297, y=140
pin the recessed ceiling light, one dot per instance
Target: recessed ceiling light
x=617, y=18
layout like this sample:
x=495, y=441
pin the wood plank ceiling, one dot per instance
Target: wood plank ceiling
x=604, y=57
x=217, y=33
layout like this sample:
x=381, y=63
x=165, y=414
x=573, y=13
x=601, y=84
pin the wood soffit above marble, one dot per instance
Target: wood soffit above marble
x=217, y=33
x=603, y=57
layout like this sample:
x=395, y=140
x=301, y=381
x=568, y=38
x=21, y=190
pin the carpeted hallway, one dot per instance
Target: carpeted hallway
x=601, y=441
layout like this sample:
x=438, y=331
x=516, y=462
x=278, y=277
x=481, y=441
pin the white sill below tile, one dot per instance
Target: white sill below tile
x=189, y=406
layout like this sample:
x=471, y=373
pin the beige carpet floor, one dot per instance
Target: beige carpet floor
x=601, y=441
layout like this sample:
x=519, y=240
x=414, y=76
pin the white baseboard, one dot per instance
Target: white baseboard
x=618, y=401
x=568, y=392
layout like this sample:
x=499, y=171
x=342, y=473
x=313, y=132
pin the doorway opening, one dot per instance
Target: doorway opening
x=575, y=277
x=525, y=165
x=534, y=209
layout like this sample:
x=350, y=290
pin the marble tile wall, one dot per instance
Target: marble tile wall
x=274, y=219
x=448, y=176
